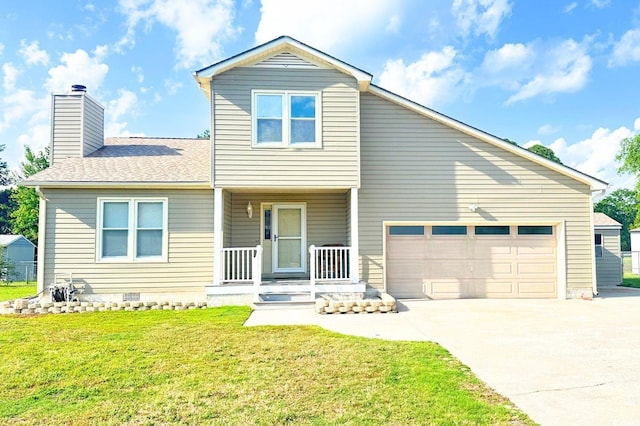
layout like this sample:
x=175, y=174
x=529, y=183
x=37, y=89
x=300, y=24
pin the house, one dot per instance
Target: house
x=608, y=254
x=314, y=180
x=20, y=255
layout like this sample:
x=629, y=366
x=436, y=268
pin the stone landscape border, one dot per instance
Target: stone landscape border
x=31, y=307
x=384, y=303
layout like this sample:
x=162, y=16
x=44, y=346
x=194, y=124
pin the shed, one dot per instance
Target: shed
x=635, y=250
x=20, y=254
x=607, y=250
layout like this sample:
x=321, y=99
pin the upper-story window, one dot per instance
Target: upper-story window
x=286, y=119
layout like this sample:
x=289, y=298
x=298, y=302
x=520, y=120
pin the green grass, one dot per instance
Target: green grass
x=15, y=290
x=631, y=280
x=204, y=367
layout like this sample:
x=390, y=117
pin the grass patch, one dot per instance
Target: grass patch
x=15, y=290
x=631, y=280
x=204, y=367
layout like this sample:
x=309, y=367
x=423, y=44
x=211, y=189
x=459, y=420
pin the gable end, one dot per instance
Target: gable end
x=285, y=60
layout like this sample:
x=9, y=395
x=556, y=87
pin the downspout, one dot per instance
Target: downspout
x=594, y=276
x=42, y=229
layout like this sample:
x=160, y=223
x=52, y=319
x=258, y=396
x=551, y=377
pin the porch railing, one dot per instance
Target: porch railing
x=328, y=264
x=242, y=264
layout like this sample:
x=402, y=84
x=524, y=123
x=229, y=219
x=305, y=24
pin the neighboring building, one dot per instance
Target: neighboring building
x=20, y=254
x=608, y=254
x=313, y=176
x=635, y=250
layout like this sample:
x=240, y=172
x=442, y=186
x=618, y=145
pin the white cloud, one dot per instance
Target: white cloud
x=432, y=79
x=138, y=73
x=508, y=57
x=564, y=69
x=201, y=26
x=596, y=154
x=627, y=49
x=570, y=7
x=480, y=16
x=17, y=105
x=77, y=68
x=10, y=76
x=172, y=86
x=548, y=129
x=22, y=106
x=116, y=109
x=329, y=25
x=1, y=48
x=636, y=124
x=600, y=3
x=394, y=24
x=32, y=53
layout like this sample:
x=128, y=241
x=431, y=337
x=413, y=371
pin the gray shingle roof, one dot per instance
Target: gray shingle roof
x=601, y=219
x=134, y=160
x=5, y=240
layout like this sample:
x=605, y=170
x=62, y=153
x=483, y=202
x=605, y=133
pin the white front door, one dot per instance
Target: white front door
x=289, y=238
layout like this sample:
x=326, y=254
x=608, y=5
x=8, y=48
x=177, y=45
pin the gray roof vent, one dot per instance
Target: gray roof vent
x=78, y=88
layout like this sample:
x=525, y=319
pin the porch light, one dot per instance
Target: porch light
x=249, y=210
x=474, y=207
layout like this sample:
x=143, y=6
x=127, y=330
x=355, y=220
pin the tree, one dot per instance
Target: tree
x=24, y=219
x=629, y=155
x=622, y=206
x=545, y=152
x=204, y=135
x=5, y=179
x=7, y=205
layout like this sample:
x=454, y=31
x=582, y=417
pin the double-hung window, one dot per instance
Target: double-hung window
x=286, y=119
x=132, y=229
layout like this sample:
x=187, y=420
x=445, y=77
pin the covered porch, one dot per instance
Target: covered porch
x=284, y=244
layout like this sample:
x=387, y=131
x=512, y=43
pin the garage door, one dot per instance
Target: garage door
x=448, y=262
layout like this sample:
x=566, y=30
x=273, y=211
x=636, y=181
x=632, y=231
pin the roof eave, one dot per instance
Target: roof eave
x=117, y=185
x=594, y=183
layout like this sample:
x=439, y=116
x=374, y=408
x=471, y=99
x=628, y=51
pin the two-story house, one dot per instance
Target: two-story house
x=313, y=180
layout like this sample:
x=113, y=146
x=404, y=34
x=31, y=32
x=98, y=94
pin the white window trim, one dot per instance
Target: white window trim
x=286, y=119
x=132, y=230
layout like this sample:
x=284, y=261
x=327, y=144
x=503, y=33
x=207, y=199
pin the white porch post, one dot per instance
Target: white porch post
x=218, y=238
x=354, y=260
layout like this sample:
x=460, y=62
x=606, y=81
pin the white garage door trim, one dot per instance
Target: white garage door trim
x=559, y=231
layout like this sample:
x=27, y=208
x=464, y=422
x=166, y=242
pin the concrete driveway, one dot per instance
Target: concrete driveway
x=561, y=361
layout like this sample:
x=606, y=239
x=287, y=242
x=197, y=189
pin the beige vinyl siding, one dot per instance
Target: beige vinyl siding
x=326, y=222
x=93, y=126
x=237, y=164
x=609, y=266
x=71, y=243
x=416, y=169
x=66, y=122
x=77, y=126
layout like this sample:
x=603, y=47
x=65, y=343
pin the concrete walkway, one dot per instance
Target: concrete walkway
x=561, y=361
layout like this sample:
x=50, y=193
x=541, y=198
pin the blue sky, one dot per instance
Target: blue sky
x=563, y=73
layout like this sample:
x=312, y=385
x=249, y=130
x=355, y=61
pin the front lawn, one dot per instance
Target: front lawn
x=15, y=290
x=204, y=367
